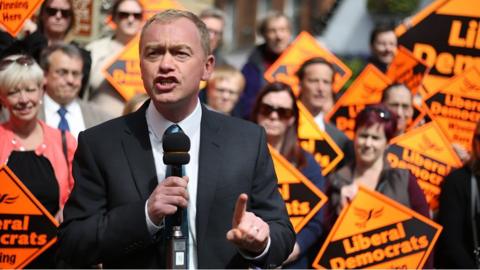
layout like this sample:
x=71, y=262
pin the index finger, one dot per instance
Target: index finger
x=240, y=209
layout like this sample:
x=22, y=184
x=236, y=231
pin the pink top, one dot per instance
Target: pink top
x=51, y=148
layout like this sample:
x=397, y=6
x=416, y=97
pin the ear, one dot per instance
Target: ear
x=208, y=67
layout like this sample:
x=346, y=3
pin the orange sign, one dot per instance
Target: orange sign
x=152, y=7
x=429, y=156
x=456, y=106
x=26, y=228
x=367, y=89
x=14, y=13
x=302, y=198
x=375, y=231
x=446, y=36
x=124, y=71
x=407, y=69
x=317, y=142
x=303, y=48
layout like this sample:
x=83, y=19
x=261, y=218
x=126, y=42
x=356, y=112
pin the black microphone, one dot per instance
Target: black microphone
x=175, y=154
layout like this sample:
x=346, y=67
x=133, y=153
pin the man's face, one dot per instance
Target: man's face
x=316, y=87
x=215, y=30
x=277, y=35
x=384, y=46
x=223, y=94
x=399, y=100
x=64, y=77
x=173, y=63
x=129, y=17
x=57, y=17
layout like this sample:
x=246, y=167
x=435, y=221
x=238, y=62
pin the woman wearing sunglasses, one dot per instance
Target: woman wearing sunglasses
x=30, y=148
x=128, y=18
x=276, y=110
x=459, y=214
x=374, y=127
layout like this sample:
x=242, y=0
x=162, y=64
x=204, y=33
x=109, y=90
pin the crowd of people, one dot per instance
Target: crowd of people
x=114, y=198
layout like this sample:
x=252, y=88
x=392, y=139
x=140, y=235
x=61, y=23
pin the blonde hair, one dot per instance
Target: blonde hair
x=15, y=73
x=227, y=72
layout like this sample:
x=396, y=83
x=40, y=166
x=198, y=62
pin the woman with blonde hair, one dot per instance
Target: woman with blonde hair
x=40, y=156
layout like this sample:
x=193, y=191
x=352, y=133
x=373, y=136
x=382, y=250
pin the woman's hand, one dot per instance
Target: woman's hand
x=347, y=193
x=294, y=255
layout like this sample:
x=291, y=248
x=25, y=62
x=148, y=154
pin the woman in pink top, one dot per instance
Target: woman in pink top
x=35, y=152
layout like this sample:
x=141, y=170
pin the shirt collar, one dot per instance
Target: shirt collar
x=157, y=124
x=52, y=106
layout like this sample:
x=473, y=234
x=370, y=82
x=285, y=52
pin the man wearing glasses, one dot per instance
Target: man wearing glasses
x=62, y=64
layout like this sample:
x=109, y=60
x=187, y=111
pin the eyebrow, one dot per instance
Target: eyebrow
x=157, y=46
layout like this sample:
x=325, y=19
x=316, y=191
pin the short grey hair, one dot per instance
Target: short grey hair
x=171, y=15
x=69, y=49
x=14, y=73
x=212, y=13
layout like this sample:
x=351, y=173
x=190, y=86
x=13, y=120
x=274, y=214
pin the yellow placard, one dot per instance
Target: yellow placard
x=367, y=89
x=446, y=36
x=302, y=198
x=456, y=106
x=429, y=156
x=317, y=142
x=374, y=231
x=301, y=49
x=14, y=13
x=27, y=229
x=152, y=7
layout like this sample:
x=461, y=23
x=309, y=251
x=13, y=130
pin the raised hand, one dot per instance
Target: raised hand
x=248, y=232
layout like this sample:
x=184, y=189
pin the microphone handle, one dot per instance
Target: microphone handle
x=176, y=170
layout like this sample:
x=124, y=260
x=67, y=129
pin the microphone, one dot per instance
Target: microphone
x=175, y=154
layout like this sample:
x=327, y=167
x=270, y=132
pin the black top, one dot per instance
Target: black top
x=37, y=174
x=455, y=244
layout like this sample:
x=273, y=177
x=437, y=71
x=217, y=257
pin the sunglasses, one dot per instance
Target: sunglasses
x=64, y=13
x=22, y=61
x=283, y=113
x=125, y=15
x=383, y=114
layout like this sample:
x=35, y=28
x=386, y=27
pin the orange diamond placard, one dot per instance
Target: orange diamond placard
x=123, y=71
x=26, y=228
x=302, y=198
x=154, y=6
x=446, y=36
x=303, y=48
x=317, y=142
x=14, y=13
x=407, y=69
x=374, y=231
x=429, y=156
x=456, y=106
x=367, y=89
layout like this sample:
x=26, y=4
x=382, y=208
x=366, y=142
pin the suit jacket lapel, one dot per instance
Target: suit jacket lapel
x=208, y=172
x=138, y=150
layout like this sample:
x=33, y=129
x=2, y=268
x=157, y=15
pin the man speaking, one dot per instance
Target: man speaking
x=119, y=213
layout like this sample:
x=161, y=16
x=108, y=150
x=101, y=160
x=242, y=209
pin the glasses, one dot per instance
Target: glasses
x=64, y=13
x=283, y=113
x=227, y=91
x=214, y=32
x=383, y=114
x=22, y=61
x=122, y=15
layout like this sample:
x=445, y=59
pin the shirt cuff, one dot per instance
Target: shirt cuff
x=248, y=257
x=152, y=228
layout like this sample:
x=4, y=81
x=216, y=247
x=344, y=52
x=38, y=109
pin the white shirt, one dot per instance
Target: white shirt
x=320, y=121
x=157, y=125
x=74, y=115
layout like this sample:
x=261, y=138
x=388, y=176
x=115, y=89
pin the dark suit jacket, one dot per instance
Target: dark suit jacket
x=115, y=173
